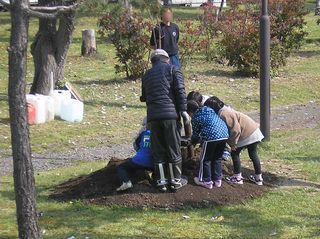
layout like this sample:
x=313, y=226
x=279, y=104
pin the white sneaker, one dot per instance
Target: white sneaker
x=235, y=179
x=258, y=181
x=208, y=185
x=125, y=186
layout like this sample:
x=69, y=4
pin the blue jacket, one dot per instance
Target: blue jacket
x=208, y=126
x=143, y=156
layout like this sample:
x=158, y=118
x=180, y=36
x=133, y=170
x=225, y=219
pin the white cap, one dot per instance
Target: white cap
x=159, y=52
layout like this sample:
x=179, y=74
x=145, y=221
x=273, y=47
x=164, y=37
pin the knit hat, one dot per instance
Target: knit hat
x=159, y=52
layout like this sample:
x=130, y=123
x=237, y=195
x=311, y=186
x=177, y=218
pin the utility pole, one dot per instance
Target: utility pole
x=265, y=70
x=317, y=12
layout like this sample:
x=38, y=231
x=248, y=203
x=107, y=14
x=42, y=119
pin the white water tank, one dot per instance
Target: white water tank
x=59, y=96
x=72, y=110
x=50, y=107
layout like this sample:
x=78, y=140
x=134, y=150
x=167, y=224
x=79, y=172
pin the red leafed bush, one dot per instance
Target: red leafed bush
x=129, y=33
x=240, y=31
x=191, y=40
x=199, y=36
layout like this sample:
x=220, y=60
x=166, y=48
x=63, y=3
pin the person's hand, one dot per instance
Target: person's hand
x=186, y=117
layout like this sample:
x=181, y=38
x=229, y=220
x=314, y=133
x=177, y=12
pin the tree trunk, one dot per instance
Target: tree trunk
x=88, y=47
x=24, y=183
x=317, y=11
x=49, y=50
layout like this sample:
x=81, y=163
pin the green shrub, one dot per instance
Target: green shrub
x=240, y=33
x=130, y=34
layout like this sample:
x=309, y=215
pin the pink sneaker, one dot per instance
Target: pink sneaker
x=207, y=185
x=217, y=183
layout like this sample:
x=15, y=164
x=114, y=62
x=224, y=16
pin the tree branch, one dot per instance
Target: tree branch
x=41, y=14
x=5, y=4
x=49, y=12
x=53, y=9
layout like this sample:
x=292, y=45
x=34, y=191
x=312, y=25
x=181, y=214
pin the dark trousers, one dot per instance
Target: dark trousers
x=126, y=168
x=165, y=141
x=210, y=161
x=253, y=154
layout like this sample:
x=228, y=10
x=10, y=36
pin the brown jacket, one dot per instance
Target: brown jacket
x=240, y=125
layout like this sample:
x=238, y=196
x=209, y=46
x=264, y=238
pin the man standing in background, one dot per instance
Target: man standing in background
x=166, y=36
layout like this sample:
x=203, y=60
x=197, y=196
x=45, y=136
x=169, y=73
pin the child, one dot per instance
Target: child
x=142, y=159
x=196, y=96
x=244, y=133
x=208, y=127
x=201, y=99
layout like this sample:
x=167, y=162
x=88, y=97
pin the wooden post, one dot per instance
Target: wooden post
x=89, y=47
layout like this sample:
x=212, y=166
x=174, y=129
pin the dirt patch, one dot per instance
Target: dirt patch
x=293, y=116
x=284, y=117
x=99, y=188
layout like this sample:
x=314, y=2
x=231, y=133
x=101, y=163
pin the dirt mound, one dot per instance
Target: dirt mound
x=99, y=188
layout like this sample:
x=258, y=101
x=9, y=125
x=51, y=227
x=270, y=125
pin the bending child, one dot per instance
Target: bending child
x=212, y=131
x=244, y=133
x=141, y=161
x=201, y=99
x=198, y=97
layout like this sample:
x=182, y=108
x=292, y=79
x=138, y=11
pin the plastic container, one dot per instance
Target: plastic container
x=50, y=107
x=72, y=110
x=31, y=113
x=59, y=96
x=40, y=108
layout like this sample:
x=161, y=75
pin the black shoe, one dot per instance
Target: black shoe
x=162, y=188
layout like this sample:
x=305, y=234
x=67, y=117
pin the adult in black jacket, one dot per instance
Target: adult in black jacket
x=164, y=93
x=166, y=36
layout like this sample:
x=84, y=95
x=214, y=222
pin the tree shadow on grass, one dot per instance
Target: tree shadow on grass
x=313, y=41
x=4, y=39
x=303, y=158
x=5, y=121
x=307, y=54
x=115, y=104
x=223, y=73
x=99, y=40
x=3, y=97
x=90, y=82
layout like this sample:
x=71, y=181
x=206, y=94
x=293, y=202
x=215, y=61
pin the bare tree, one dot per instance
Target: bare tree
x=50, y=47
x=24, y=183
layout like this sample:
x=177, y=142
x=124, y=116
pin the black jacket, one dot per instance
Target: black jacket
x=164, y=92
x=169, y=38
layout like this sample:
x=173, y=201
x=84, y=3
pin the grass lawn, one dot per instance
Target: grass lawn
x=289, y=213
x=282, y=213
